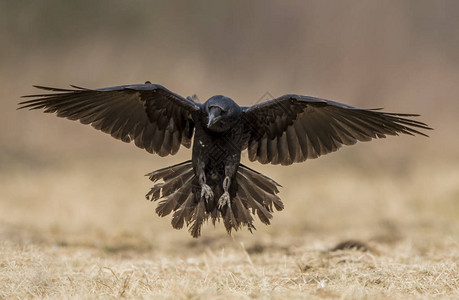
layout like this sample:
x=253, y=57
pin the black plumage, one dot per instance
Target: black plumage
x=214, y=184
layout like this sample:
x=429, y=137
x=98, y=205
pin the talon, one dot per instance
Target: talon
x=206, y=193
x=224, y=200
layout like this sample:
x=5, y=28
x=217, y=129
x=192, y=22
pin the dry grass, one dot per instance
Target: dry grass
x=53, y=271
x=81, y=229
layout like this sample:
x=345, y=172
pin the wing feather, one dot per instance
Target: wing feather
x=294, y=128
x=155, y=118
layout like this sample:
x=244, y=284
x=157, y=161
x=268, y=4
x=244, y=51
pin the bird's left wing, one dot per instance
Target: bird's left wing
x=155, y=118
x=293, y=128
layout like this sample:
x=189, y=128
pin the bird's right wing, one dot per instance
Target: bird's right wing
x=293, y=128
x=155, y=118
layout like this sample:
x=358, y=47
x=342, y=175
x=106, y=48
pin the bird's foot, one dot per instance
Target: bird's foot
x=224, y=200
x=206, y=193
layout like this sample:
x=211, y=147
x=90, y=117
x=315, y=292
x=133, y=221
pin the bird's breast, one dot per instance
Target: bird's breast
x=216, y=150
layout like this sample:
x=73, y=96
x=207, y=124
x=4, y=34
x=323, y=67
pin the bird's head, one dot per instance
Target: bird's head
x=222, y=113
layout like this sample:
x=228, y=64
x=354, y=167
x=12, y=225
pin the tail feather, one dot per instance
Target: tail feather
x=165, y=207
x=257, y=207
x=173, y=199
x=262, y=197
x=267, y=185
x=179, y=192
x=178, y=219
x=243, y=213
x=260, y=180
x=230, y=220
x=155, y=192
x=183, y=195
x=169, y=172
x=199, y=214
x=176, y=184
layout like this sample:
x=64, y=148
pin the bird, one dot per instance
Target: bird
x=214, y=184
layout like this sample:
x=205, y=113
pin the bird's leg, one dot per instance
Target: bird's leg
x=206, y=191
x=225, y=198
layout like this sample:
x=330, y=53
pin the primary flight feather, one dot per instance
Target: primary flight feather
x=214, y=184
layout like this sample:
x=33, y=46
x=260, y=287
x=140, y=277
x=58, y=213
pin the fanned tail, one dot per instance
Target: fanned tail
x=256, y=194
x=177, y=190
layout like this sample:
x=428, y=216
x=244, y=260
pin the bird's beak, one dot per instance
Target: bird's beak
x=213, y=113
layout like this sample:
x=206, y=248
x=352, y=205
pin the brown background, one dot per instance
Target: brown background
x=400, y=55
x=73, y=219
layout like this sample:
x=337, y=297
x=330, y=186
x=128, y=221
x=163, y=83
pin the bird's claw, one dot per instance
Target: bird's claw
x=224, y=200
x=206, y=193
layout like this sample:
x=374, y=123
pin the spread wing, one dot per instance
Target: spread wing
x=156, y=119
x=294, y=128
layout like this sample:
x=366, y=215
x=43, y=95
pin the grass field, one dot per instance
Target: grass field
x=80, y=228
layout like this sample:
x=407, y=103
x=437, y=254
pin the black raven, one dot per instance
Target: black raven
x=214, y=184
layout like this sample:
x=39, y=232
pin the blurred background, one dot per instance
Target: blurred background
x=62, y=182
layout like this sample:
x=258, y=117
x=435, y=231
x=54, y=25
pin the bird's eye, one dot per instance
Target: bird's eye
x=216, y=110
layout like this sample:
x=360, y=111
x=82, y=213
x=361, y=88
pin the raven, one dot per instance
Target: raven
x=214, y=184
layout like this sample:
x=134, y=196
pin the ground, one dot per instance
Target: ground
x=80, y=228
